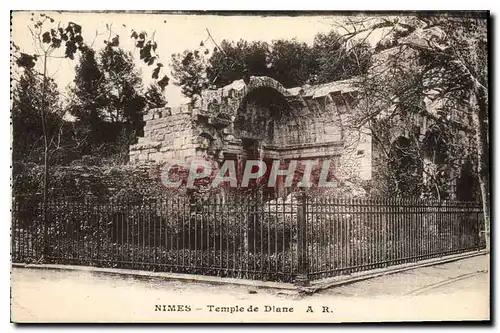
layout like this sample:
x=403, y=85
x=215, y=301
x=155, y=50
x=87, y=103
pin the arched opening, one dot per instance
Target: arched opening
x=405, y=169
x=467, y=185
x=434, y=145
x=204, y=140
x=438, y=173
x=258, y=122
x=258, y=115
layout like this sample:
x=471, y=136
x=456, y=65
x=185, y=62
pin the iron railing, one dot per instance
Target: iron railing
x=296, y=239
x=352, y=235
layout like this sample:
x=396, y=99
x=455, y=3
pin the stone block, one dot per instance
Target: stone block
x=159, y=137
x=159, y=125
x=179, y=142
x=158, y=156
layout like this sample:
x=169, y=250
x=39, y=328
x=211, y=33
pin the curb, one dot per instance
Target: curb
x=357, y=277
x=315, y=287
x=163, y=275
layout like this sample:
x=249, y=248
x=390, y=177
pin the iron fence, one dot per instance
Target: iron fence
x=293, y=239
x=350, y=235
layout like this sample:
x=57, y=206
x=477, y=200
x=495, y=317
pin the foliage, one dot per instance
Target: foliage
x=26, y=116
x=123, y=89
x=86, y=100
x=154, y=97
x=189, y=70
x=46, y=42
x=147, y=51
x=107, y=90
x=90, y=177
x=108, y=101
x=52, y=37
x=231, y=61
x=292, y=63
x=336, y=60
x=425, y=67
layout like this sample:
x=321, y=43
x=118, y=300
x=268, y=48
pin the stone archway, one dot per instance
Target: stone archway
x=266, y=82
x=257, y=110
x=405, y=168
x=260, y=114
x=227, y=100
x=467, y=185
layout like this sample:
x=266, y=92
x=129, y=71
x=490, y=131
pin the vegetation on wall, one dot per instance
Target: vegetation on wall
x=290, y=62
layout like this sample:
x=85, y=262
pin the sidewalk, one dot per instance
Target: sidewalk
x=403, y=283
x=75, y=296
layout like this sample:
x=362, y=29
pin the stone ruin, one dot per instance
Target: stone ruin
x=259, y=119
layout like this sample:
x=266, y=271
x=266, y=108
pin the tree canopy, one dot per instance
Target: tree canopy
x=291, y=62
x=102, y=111
x=434, y=66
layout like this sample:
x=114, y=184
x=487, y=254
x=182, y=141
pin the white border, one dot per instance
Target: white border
x=194, y=5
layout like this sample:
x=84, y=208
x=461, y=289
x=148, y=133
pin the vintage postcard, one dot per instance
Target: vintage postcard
x=250, y=167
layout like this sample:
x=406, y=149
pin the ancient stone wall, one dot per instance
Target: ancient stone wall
x=300, y=123
x=168, y=135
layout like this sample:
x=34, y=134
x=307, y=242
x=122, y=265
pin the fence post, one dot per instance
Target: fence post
x=302, y=278
x=45, y=229
x=99, y=237
x=481, y=227
x=385, y=228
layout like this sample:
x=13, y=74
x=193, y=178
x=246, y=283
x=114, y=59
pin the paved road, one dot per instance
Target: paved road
x=74, y=296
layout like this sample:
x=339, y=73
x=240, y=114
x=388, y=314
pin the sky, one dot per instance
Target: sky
x=173, y=33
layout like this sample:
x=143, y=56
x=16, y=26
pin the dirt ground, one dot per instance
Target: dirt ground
x=74, y=296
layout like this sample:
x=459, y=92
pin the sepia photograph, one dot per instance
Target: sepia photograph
x=250, y=167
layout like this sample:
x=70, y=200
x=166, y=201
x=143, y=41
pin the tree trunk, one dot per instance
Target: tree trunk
x=45, y=157
x=480, y=120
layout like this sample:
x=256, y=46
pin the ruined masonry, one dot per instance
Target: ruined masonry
x=259, y=118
